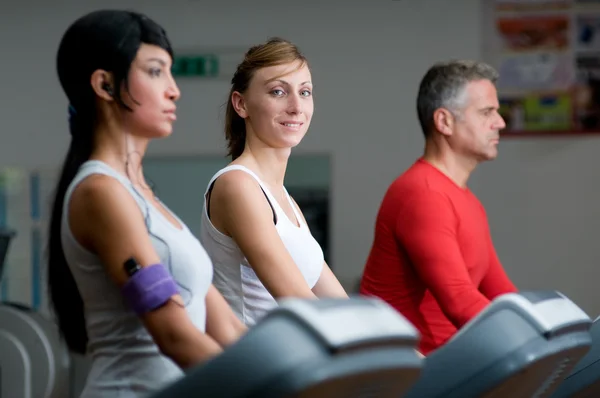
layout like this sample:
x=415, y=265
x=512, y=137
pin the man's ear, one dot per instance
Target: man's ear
x=443, y=121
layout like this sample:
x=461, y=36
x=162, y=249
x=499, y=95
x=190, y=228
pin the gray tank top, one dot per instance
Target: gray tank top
x=126, y=363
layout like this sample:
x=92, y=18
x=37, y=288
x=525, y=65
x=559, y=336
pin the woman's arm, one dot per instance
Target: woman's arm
x=221, y=322
x=327, y=285
x=106, y=220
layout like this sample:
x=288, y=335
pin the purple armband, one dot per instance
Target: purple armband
x=149, y=288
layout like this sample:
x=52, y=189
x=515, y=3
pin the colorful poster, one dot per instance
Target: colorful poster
x=548, y=33
x=523, y=5
x=548, y=55
x=536, y=71
x=548, y=112
x=512, y=111
x=537, y=112
x=588, y=32
x=587, y=92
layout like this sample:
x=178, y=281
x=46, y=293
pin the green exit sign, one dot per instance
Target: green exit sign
x=196, y=66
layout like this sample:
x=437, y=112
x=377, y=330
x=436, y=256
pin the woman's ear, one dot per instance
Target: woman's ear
x=239, y=104
x=102, y=84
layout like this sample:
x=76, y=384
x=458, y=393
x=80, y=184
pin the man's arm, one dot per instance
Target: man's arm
x=426, y=229
x=495, y=281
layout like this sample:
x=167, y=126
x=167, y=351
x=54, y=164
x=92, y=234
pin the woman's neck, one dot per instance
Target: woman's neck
x=123, y=153
x=269, y=163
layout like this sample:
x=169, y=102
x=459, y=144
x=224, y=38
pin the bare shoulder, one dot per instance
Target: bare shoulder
x=99, y=191
x=101, y=198
x=100, y=206
x=235, y=184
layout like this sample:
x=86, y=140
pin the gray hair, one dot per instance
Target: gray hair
x=443, y=86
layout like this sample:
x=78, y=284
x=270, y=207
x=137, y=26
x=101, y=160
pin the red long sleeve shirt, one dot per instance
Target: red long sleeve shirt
x=432, y=257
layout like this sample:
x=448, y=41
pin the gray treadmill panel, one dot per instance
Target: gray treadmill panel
x=550, y=312
x=507, y=350
x=584, y=379
x=351, y=322
x=286, y=354
x=537, y=296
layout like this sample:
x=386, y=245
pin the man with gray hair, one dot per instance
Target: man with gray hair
x=432, y=257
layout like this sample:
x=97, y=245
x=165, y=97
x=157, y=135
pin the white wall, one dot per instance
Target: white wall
x=367, y=58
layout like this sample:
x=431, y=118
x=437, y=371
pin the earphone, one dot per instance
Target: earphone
x=106, y=87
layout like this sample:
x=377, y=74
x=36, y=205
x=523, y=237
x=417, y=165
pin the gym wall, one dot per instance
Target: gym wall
x=367, y=58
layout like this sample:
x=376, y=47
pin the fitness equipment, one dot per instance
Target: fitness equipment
x=313, y=348
x=584, y=380
x=521, y=345
x=33, y=360
x=31, y=343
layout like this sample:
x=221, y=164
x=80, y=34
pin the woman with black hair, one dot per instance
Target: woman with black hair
x=129, y=284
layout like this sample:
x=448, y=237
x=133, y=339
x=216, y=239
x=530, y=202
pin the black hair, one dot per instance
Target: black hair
x=107, y=40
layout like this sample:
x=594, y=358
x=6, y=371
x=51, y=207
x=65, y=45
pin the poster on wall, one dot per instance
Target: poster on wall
x=587, y=92
x=521, y=5
x=536, y=71
x=548, y=55
x=537, y=112
x=534, y=33
x=588, y=32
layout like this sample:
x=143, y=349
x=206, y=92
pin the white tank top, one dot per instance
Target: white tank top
x=233, y=275
x=125, y=360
